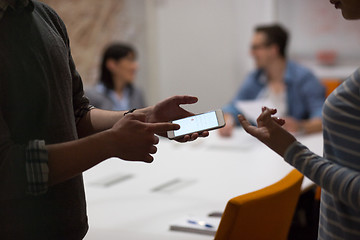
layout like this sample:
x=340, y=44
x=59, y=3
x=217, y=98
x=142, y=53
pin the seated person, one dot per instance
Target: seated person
x=292, y=89
x=116, y=90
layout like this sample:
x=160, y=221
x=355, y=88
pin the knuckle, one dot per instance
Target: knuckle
x=147, y=129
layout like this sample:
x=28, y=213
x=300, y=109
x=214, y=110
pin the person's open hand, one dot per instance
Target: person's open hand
x=135, y=140
x=170, y=109
x=269, y=130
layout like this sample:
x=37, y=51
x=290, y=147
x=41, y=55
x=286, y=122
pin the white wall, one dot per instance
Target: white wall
x=200, y=47
x=317, y=25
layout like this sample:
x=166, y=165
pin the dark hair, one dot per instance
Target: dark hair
x=115, y=51
x=275, y=34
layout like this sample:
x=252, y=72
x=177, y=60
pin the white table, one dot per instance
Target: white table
x=206, y=173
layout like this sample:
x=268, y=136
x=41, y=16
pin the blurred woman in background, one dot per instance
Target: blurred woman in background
x=116, y=90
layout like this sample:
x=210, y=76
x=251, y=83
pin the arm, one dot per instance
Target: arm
x=342, y=182
x=129, y=139
x=97, y=120
x=31, y=168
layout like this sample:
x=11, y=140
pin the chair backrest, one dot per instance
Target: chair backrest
x=330, y=84
x=263, y=214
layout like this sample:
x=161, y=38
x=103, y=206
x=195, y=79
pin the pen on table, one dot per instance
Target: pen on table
x=117, y=180
x=201, y=223
x=167, y=184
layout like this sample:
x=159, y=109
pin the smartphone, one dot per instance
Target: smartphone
x=198, y=123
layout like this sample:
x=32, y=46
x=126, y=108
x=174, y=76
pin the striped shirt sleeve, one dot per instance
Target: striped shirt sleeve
x=37, y=169
x=340, y=181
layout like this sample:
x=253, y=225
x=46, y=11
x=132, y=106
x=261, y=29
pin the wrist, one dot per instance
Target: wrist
x=289, y=139
x=130, y=111
x=148, y=111
x=108, y=138
x=280, y=141
x=289, y=149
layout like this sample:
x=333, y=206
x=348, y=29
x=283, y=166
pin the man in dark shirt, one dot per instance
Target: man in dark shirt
x=49, y=134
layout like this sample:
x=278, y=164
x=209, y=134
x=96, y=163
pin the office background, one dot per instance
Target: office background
x=199, y=47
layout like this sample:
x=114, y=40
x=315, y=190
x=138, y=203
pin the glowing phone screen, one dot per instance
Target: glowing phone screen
x=196, y=123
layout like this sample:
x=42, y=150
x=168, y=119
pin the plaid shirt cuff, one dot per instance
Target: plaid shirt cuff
x=37, y=169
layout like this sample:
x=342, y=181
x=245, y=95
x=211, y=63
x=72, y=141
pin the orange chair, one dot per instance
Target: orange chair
x=263, y=214
x=330, y=84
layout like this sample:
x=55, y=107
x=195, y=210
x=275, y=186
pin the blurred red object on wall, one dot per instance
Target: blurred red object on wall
x=327, y=57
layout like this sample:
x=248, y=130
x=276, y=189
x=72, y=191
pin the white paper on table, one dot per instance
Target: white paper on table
x=239, y=141
x=252, y=108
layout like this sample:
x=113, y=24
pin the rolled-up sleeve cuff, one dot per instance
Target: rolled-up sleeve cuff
x=81, y=111
x=37, y=168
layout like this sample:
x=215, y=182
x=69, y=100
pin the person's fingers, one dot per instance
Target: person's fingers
x=204, y=134
x=244, y=122
x=148, y=158
x=137, y=116
x=279, y=121
x=273, y=110
x=185, y=138
x=185, y=99
x=155, y=140
x=194, y=136
x=266, y=113
x=162, y=127
x=153, y=150
x=141, y=157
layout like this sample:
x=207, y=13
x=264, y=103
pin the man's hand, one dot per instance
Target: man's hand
x=229, y=127
x=169, y=110
x=135, y=140
x=269, y=131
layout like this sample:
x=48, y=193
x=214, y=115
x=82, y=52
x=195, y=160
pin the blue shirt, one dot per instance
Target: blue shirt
x=118, y=103
x=107, y=99
x=305, y=94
